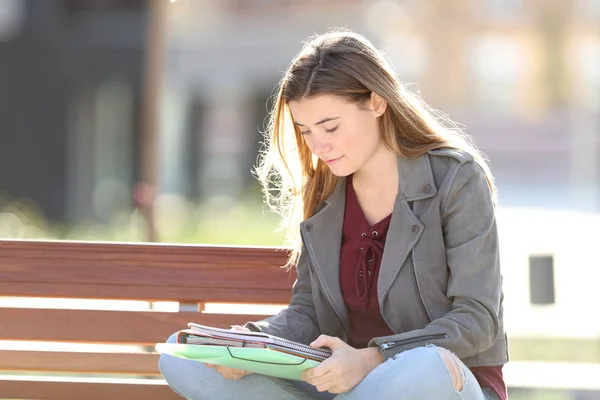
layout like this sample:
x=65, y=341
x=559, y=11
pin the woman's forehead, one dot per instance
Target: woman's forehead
x=314, y=109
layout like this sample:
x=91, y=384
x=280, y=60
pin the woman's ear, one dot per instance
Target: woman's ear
x=378, y=104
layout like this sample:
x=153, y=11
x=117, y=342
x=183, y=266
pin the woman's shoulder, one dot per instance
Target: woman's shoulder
x=462, y=156
x=445, y=161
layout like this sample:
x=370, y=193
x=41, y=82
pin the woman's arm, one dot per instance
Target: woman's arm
x=474, y=283
x=298, y=321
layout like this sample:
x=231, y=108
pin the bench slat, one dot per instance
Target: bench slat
x=143, y=253
x=95, y=390
x=117, y=272
x=112, y=327
x=143, y=271
x=145, y=364
x=147, y=293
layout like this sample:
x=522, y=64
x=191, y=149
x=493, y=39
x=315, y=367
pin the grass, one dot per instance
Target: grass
x=582, y=350
x=214, y=221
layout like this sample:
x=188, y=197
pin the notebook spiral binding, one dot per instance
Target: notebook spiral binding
x=302, y=348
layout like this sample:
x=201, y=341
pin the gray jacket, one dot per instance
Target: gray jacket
x=439, y=281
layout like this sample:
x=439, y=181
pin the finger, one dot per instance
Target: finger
x=322, y=369
x=336, y=389
x=239, y=328
x=312, y=373
x=210, y=365
x=321, y=341
x=328, y=386
x=225, y=371
x=239, y=375
x=326, y=379
x=331, y=342
x=229, y=373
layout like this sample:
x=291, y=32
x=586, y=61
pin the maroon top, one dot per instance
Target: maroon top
x=360, y=260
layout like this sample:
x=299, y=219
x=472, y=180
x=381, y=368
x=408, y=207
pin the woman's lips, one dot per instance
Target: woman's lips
x=331, y=161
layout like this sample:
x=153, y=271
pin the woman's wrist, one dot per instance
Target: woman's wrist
x=372, y=357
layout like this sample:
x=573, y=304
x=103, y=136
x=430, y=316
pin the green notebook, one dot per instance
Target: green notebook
x=261, y=361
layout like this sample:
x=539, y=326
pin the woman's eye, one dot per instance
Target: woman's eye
x=331, y=130
x=304, y=132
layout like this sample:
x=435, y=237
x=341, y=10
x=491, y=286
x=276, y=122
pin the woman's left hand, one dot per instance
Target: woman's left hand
x=346, y=367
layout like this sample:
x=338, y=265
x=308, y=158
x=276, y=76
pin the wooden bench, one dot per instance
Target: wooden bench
x=190, y=275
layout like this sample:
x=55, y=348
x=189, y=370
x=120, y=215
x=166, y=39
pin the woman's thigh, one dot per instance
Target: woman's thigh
x=194, y=381
x=414, y=375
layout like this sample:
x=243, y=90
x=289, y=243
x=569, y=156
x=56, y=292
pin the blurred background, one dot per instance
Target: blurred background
x=136, y=120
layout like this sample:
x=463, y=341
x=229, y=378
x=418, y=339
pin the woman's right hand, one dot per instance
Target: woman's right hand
x=231, y=373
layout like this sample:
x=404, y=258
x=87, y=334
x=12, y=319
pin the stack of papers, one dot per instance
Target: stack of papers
x=249, y=351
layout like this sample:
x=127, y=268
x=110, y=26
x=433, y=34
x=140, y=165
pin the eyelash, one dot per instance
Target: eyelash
x=326, y=130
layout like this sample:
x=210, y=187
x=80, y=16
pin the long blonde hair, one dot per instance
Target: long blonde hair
x=344, y=64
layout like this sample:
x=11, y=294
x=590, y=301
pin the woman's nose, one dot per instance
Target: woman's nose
x=321, y=146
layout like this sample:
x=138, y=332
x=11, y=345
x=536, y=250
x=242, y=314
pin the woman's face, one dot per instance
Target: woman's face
x=343, y=134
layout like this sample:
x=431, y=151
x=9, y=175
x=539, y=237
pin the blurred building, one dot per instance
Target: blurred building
x=522, y=75
x=70, y=93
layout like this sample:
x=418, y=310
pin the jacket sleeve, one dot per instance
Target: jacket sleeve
x=298, y=321
x=474, y=283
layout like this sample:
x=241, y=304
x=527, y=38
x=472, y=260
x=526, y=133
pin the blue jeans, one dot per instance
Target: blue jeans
x=411, y=375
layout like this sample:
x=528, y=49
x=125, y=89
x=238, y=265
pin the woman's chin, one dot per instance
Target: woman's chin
x=341, y=172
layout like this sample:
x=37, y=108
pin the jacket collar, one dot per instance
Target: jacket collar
x=415, y=180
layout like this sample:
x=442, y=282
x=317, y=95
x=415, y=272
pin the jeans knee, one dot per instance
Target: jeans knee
x=423, y=355
x=454, y=367
x=167, y=362
x=425, y=361
x=163, y=365
x=172, y=338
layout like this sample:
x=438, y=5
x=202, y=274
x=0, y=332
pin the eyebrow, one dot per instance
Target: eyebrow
x=321, y=121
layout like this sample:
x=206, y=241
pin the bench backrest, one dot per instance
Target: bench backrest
x=187, y=274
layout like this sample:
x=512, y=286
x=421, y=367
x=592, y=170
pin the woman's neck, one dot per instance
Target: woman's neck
x=379, y=174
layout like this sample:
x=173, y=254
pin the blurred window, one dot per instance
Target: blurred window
x=589, y=70
x=408, y=54
x=589, y=9
x=12, y=15
x=498, y=65
x=101, y=149
x=74, y=6
x=279, y=5
x=541, y=280
x=503, y=9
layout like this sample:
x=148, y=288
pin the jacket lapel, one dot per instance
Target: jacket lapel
x=322, y=235
x=415, y=182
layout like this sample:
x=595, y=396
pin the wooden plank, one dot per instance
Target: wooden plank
x=143, y=273
x=145, y=364
x=114, y=327
x=35, y=388
x=147, y=293
x=156, y=272
x=251, y=256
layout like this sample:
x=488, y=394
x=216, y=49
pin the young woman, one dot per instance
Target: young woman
x=397, y=256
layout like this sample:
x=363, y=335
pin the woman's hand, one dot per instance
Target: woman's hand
x=231, y=373
x=346, y=367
